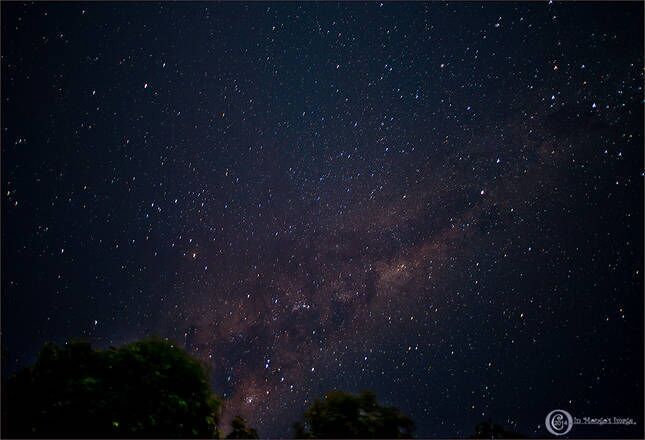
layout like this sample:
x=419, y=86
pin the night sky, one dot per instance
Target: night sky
x=439, y=202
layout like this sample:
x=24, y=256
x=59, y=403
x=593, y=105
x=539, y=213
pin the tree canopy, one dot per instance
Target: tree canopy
x=150, y=388
x=344, y=415
x=240, y=430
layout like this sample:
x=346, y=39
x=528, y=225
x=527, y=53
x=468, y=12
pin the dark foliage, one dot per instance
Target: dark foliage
x=240, y=430
x=148, y=388
x=344, y=415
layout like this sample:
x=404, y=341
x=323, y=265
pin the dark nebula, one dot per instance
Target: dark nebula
x=439, y=202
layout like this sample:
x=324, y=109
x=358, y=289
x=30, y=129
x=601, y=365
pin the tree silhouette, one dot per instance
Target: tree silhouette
x=343, y=415
x=240, y=430
x=149, y=388
x=490, y=430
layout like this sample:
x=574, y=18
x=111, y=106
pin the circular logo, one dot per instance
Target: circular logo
x=559, y=422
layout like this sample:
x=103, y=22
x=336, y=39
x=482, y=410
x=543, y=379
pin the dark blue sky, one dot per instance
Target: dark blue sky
x=439, y=202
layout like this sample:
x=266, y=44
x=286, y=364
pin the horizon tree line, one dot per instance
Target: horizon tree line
x=153, y=388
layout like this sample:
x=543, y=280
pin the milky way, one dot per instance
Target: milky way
x=438, y=202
